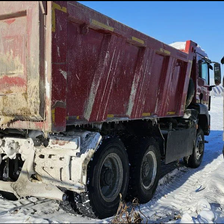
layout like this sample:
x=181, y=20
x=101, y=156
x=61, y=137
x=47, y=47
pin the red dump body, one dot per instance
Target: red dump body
x=67, y=64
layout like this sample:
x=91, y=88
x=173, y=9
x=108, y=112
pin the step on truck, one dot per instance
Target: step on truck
x=90, y=107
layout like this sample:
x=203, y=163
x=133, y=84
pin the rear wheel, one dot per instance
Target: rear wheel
x=108, y=176
x=8, y=196
x=145, y=169
x=9, y=171
x=194, y=160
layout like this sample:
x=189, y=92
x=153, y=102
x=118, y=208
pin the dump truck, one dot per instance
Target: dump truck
x=90, y=108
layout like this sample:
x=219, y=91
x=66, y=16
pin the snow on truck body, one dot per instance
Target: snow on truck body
x=76, y=88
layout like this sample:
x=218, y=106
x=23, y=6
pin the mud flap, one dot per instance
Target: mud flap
x=179, y=144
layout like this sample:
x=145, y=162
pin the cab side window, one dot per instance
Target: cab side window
x=204, y=71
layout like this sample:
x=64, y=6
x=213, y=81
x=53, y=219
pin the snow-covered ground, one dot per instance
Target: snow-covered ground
x=184, y=195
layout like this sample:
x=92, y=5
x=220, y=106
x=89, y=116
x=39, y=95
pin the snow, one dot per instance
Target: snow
x=184, y=195
x=181, y=46
x=217, y=91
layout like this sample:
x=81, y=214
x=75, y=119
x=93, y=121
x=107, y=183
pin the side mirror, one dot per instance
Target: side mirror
x=222, y=60
x=217, y=73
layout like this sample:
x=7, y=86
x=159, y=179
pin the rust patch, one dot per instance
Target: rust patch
x=9, y=64
x=59, y=142
x=12, y=84
x=11, y=104
x=60, y=104
x=4, y=121
x=24, y=111
x=9, y=21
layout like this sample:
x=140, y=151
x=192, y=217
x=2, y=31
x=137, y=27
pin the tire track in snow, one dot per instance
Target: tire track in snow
x=24, y=210
x=171, y=202
x=37, y=210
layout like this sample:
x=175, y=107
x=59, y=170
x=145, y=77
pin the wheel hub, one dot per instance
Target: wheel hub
x=107, y=177
x=199, y=147
x=111, y=177
x=148, y=170
x=145, y=169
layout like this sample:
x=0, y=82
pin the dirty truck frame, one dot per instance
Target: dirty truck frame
x=89, y=107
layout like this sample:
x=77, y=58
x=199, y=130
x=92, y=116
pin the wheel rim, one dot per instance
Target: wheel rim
x=111, y=177
x=199, y=148
x=148, y=170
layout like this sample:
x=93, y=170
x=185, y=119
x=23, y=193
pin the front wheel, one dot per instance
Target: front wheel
x=194, y=160
x=108, y=176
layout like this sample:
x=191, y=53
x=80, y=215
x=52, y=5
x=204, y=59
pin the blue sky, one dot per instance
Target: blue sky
x=171, y=21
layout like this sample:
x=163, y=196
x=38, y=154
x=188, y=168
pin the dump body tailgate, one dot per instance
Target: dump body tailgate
x=21, y=61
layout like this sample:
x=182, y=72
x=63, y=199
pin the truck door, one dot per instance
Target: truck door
x=203, y=82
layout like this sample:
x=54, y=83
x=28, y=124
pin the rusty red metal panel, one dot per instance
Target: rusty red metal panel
x=24, y=74
x=77, y=66
x=82, y=66
x=115, y=72
x=59, y=64
x=190, y=50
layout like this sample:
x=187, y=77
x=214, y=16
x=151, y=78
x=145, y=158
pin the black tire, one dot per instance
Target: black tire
x=108, y=176
x=190, y=92
x=69, y=205
x=8, y=196
x=145, y=169
x=195, y=159
x=4, y=194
